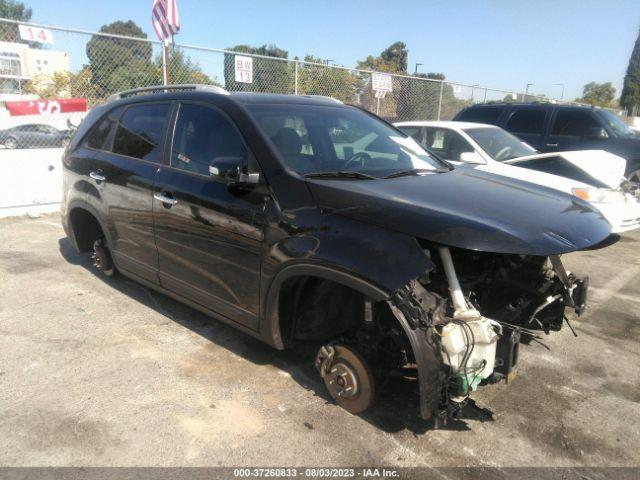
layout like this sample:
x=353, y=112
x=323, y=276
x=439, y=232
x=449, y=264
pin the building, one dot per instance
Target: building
x=19, y=64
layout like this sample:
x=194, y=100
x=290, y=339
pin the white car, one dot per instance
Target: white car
x=592, y=175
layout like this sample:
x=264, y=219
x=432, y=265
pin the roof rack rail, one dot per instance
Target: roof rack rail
x=166, y=88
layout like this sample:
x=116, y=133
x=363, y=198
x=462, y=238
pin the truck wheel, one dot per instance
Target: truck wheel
x=349, y=379
x=102, y=258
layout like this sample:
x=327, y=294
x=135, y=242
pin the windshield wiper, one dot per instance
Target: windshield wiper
x=416, y=171
x=341, y=174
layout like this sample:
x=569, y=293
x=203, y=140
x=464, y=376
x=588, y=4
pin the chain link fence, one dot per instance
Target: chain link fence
x=51, y=81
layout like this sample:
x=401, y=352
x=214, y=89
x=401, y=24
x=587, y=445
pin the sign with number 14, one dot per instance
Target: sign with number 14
x=35, y=34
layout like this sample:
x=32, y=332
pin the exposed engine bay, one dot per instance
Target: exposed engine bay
x=481, y=306
x=464, y=320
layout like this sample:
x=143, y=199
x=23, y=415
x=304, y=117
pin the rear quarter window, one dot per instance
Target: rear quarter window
x=97, y=137
x=481, y=115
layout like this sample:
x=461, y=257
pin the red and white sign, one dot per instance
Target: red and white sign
x=47, y=107
x=35, y=34
x=382, y=82
x=244, y=69
x=380, y=94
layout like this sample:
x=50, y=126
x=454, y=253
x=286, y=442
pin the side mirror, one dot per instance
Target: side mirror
x=472, y=157
x=596, y=133
x=229, y=170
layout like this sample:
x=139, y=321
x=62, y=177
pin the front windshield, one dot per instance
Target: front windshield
x=315, y=140
x=618, y=126
x=498, y=144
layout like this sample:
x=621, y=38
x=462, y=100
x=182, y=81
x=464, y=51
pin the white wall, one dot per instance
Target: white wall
x=30, y=181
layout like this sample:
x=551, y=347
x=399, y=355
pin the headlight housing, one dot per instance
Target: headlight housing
x=599, y=195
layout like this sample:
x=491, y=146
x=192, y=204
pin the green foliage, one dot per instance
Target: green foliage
x=182, y=69
x=392, y=59
x=14, y=10
x=332, y=82
x=630, y=97
x=601, y=94
x=269, y=76
x=118, y=64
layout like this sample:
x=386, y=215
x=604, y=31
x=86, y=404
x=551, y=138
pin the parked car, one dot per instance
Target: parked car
x=593, y=175
x=33, y=135
x=551, y=127
x=265, y=212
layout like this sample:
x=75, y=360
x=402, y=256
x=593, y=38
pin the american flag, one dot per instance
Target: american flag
x=166, y=22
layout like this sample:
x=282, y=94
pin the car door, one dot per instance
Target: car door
x=528, y=124
x=124, y=173
x=575, y=129
x=207, y=234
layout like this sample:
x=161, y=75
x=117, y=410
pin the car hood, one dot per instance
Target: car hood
x=468, y=209
x=603, y=166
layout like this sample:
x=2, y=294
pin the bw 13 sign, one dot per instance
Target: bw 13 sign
x=244, y=69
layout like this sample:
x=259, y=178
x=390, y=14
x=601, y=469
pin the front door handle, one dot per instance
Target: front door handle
x=552, y=144
x=166, y=199
x=97, y=176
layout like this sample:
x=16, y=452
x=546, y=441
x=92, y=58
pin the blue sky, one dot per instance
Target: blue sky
x=501, y=44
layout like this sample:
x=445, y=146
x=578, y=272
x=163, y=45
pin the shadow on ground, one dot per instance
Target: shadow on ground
x=396, y=406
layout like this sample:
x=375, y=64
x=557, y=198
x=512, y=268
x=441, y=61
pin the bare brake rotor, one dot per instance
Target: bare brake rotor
x=347, y=377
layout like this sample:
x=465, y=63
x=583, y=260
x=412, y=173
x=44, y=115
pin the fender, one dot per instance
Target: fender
x=68, y=228
x=271, y=328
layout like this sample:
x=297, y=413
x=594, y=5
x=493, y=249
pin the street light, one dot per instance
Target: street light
x=562, y=92
x=527, y=89
x=417, y=65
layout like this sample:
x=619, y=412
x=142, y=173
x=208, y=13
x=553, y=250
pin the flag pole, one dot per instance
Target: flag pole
x=165, y=61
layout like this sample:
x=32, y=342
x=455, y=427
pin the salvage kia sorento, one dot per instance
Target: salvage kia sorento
x=298, y=219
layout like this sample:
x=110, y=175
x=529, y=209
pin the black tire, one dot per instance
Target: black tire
x=634, y=174
x=102, y=259
x=11, y=143
x=351, y=364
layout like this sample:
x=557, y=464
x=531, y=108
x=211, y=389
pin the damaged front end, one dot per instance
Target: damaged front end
x=467, y=315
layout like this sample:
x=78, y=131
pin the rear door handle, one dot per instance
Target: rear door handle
x=166, y=199
x=552, y=144
x=97, y=176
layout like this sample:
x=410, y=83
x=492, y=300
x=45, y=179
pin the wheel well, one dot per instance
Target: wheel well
x=85, y=227
x=315, y=308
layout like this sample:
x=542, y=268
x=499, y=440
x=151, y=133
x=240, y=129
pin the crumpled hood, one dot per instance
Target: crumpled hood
x=468, y=209
x=603, y=166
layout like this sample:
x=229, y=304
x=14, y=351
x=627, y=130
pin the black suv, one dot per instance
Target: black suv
x=303, y=221
x=553, y=128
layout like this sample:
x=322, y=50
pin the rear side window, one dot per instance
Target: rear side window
x=527, y=120
x=574, y=123
x=139, y=131
x=97, y=138
x=481, y=115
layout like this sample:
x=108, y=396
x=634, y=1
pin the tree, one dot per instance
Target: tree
x=332, y=82
x=601, y=94
x=118, y=64
x=630, y=98
x=14, y=10
x=182, y=69
x=271, y=76
x=392, y=59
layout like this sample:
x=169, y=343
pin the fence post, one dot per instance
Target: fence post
x=295, y=81
x=440, y=99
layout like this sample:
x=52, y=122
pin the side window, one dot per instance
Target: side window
x=201, y=135
x=574, y=123
x=481, y=115
x=527, y=120
x=447, y=143
x=417, y=133
x=139, y=131
x=98, y=136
